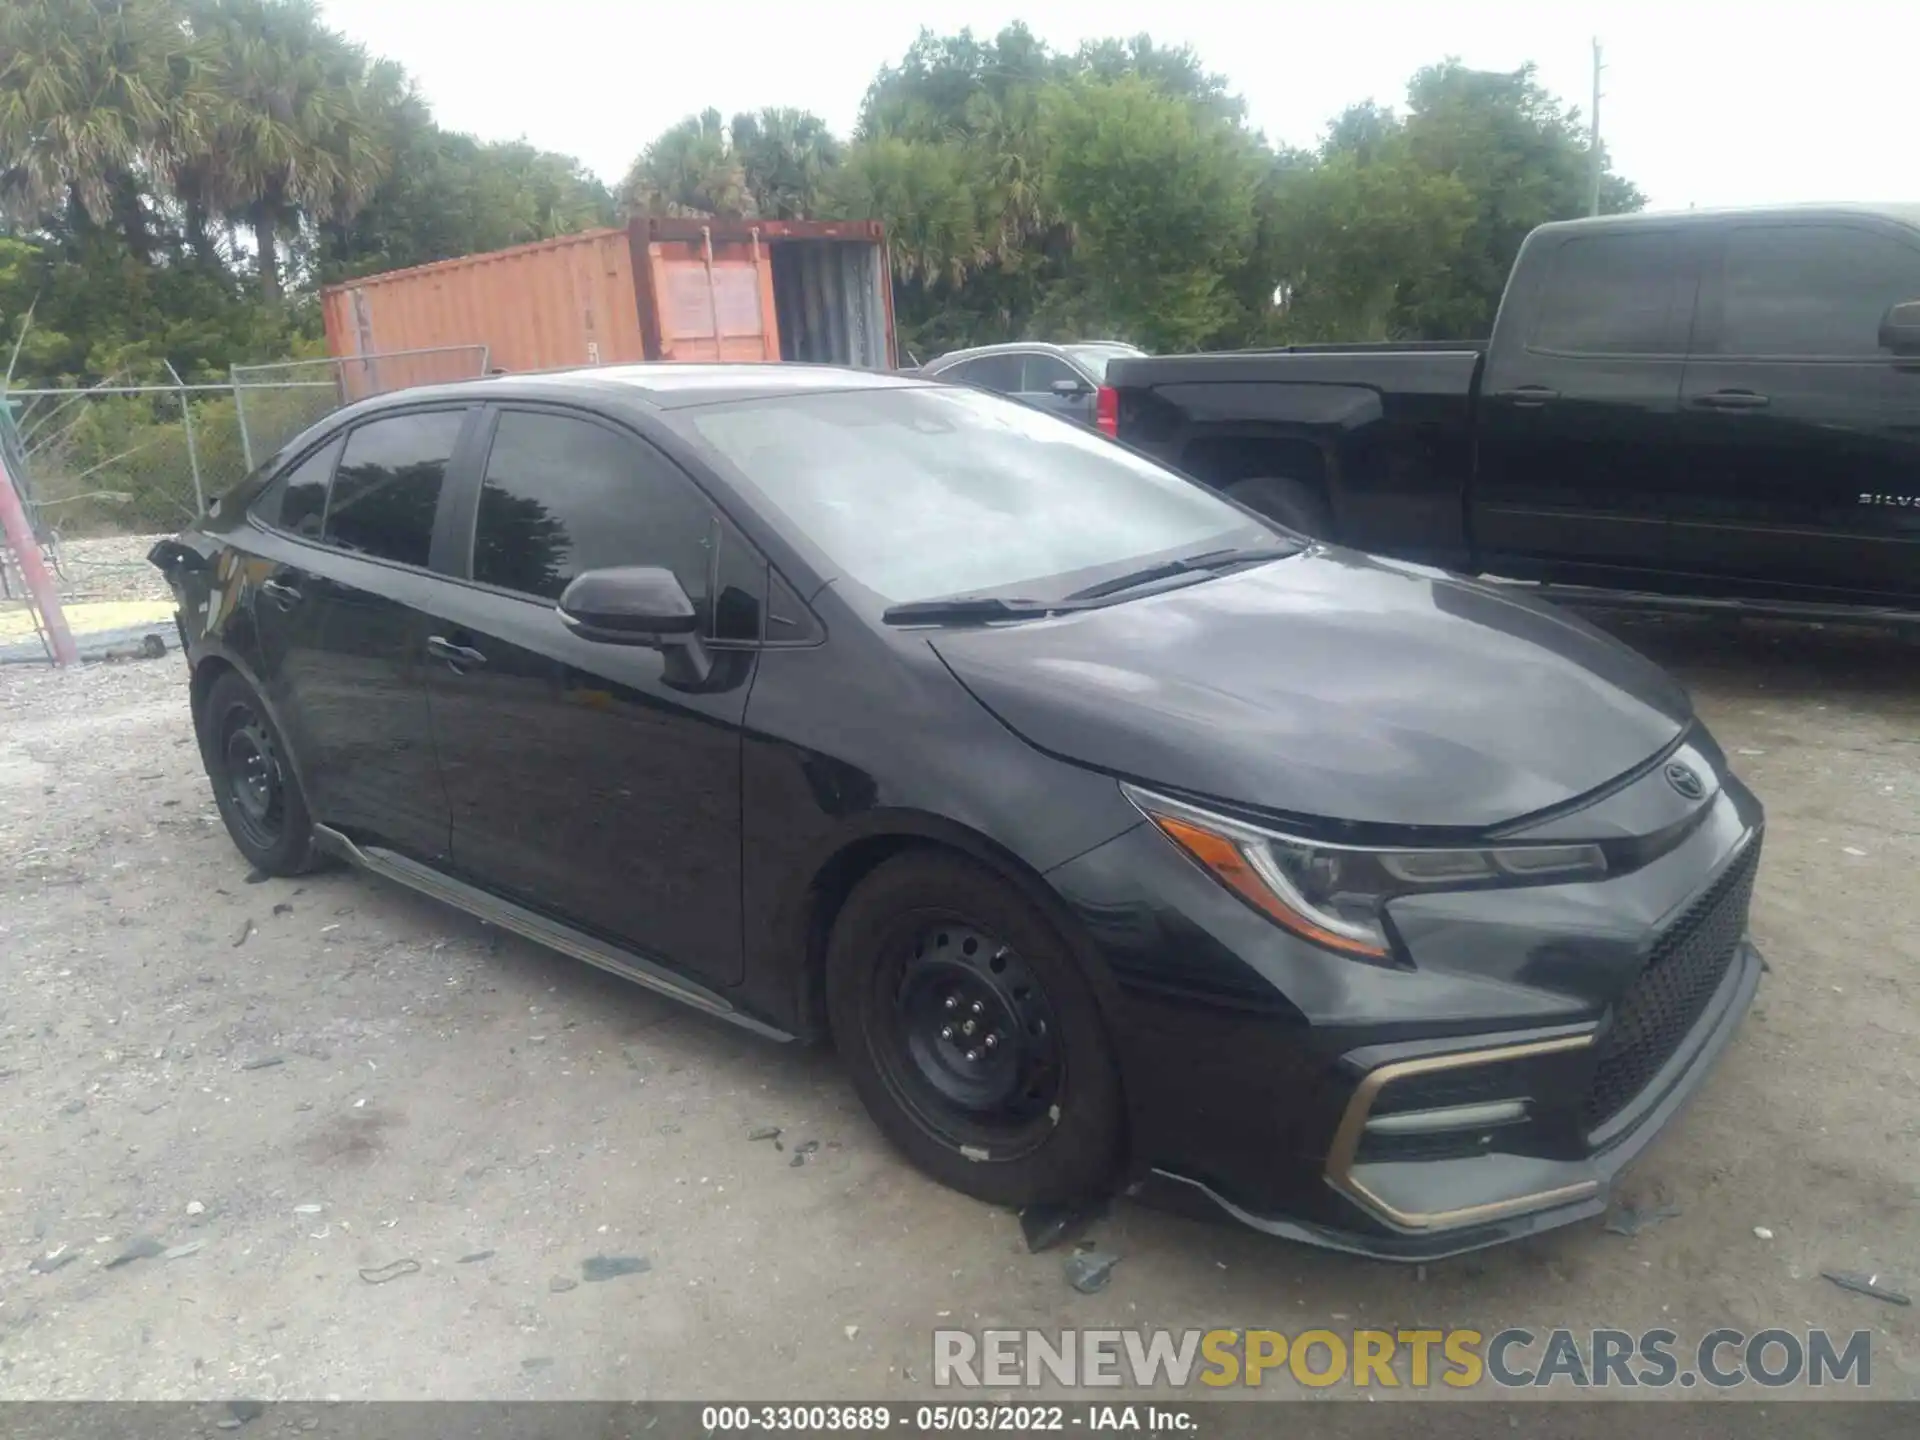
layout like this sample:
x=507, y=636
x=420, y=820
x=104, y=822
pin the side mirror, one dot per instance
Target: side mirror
x=641, y=605
x=1900, y=328
x=1069, y=389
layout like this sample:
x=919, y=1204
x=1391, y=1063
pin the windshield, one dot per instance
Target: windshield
x=1096, y=357
x=922, y=493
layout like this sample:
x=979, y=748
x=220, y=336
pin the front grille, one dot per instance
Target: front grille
x=1665, y=1000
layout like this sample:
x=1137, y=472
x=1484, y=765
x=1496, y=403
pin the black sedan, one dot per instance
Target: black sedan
x=1118, y=838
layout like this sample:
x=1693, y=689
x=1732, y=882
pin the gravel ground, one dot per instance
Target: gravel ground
x=110, y=567
x=283, y=1087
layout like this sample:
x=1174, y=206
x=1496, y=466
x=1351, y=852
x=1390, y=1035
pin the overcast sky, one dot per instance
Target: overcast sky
x=1705, y=102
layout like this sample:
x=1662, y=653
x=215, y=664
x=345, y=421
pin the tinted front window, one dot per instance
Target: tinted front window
x=1812, y=289
x=1611, y=295
x=563, y=496
x=1040, y=371
x=297, y=499
x=1096, y=358
x=388, y=485
x=998, y=373
x=919, y=493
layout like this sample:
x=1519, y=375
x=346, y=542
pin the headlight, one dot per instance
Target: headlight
x=1336, y=895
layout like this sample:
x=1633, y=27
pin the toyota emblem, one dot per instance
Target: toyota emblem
x=1685, y=782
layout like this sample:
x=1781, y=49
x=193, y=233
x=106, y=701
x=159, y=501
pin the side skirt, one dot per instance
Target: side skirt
x=537, y=928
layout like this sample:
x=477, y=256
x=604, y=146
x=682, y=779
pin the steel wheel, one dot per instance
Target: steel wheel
x=255, y=779
x=969, y=1039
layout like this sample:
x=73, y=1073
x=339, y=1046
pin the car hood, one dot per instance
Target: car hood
x=1332, y=685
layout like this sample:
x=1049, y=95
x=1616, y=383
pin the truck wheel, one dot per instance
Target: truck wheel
x=1299, y=506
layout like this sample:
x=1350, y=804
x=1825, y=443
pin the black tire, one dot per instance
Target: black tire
x=1299, y=506
x=253, y=780
x=895, y=955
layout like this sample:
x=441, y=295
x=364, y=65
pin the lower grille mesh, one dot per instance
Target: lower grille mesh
x=1665, y=1000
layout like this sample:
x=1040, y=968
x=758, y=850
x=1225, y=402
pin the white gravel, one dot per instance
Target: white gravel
x=109, y=567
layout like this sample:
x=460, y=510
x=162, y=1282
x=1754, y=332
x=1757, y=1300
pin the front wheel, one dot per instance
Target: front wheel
x=253, y=782
x=972, y=1036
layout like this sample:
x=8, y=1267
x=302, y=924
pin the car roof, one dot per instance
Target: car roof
x=1022, y=347
x=1906, y=214
x=663, y=385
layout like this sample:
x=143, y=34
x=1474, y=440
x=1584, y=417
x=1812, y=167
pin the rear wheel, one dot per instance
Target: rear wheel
x=971, y=1034
x=1296, y=504
x=253, y=782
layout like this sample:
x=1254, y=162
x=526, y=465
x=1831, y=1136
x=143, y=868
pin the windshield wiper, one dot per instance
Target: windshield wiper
x=969, y=607
x=1187, y=565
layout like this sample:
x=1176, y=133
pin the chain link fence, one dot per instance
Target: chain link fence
x=143, y=459
x=274, y=403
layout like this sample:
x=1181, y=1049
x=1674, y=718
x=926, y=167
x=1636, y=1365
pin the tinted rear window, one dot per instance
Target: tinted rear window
x=1612, y=295
x=388, y=483
x=296, y=499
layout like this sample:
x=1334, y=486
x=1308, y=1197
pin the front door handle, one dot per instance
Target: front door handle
x=1732, y=400
x=458, y=656
x=282, y=594
x=1528, y=396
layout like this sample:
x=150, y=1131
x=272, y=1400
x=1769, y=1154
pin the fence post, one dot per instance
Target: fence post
x=193, y=455
x=240, y=416
x=26, y=550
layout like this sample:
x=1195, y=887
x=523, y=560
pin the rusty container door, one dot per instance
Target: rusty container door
x=808, y=290
x=713, y=299
x=555, y=303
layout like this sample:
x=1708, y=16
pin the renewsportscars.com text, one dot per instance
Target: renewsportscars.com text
x=1391, y=1359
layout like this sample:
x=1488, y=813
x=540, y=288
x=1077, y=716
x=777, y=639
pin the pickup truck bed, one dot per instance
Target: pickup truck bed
x=1383, y=435
x=1713, y=408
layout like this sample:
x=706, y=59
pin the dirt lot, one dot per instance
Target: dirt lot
x=290, y=1084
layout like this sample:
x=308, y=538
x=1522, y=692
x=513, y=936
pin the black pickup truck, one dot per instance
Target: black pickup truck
x=1697, y=409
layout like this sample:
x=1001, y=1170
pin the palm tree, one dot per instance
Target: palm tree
x=787, y=156
x=690, y=170
x=298, y=130
x=95, y=100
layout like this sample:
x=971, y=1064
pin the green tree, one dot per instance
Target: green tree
x=95, y=100
x=1158, y=255
x=787, y=158
x=297, y=132
x=1523, y=158
x=690, y=170
x=1346, y=239
x=450, y=195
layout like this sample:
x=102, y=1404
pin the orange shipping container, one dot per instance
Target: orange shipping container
x=658, y=290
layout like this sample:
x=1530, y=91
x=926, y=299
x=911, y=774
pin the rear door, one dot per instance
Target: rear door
x=1800, y=436
x=582, y=782
x=1578, y=410
x=344, y=560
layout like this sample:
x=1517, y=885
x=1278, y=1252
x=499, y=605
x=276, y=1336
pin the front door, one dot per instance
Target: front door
x=1578, y=403
x=344, y=564
x=1048, y=383
x=582, y=782
x=1800, y=436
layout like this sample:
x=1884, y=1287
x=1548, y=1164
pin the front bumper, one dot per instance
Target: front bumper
x=1533, y=1194
x=1493, y=1088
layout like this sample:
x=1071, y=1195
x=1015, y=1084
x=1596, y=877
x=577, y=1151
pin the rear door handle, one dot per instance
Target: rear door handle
x=457, y=656
x=1732, y=400
x=284, y=595
x=1528, y=396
